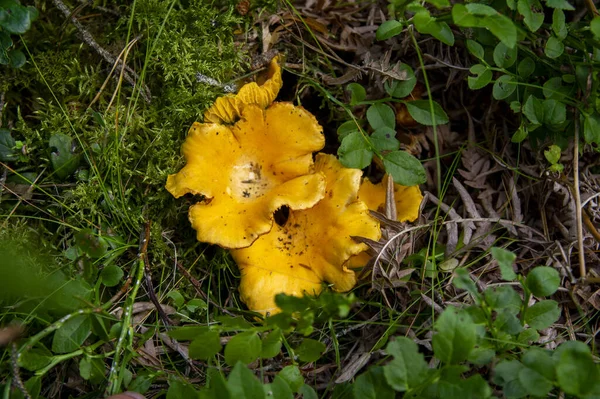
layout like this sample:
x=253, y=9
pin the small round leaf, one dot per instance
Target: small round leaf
x=543, y=281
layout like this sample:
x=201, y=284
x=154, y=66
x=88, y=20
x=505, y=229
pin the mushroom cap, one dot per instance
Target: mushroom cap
x=229, y=108
x=312, y=246
x=408, y=199
x=249, y=170
x=408, y=202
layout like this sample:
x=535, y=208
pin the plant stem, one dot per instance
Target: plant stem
x=577, y=197
x=114, y=381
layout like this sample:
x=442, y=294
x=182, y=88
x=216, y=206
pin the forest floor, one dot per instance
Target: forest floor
x=87, y=146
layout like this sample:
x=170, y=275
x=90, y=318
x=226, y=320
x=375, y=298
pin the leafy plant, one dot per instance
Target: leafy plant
x=547, y=87
x=358, y=147
x=493, y=333
x=15, y=19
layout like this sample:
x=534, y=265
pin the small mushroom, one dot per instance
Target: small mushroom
x=408, y=202
x=312, y=246
x=408, y=199
x=229, y=108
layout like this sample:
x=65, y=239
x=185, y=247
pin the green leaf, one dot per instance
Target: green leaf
x=187, y=333
x=528, y=336
x=475, y=387
x=505, y=261
x=504, y=87
x=178, y=299
x=357, y=93
x=558, y=24
x=532, y=12
x=271, y=344
x=381, y=115
x=388, y=29
x=520, y=135
x=561, y=4
x=180, y=389
x=279, y=389
x=205, y=345
x=506, y=374
x=16, y=58
x=576, y=371
x=591, y=128
x=292, y=375
x=462, y=17
x=408, y=368
x=503, y=28
x=533, y=109
x=481, y=9
x=196, y=305
x=310, y=350
x=347, y=128
x=36, y=358
x=553, y=89
x=526, y=67
x=483, y=76
x=244, y=347
x=216, y=386
x=504, y=298
x=373, y=385
x=506, y=321
x=426, y=24
x=16, y=18
x=404, y=168
x=5, y=41
x=475, y=48
x=233, y=323
x=595, y=27
x=7, y=147
x=354, y=152
x=307, y=392
x=70, y=336
x=439, y=3
x=463, y=281
x=111, y=275
x=504, y=57
x=540, y=360
x=542, y=314
x=384, y=139
x=420, y=110
x=534, y=383
x=553, y=154
x=402, y=88
x=543, y=281
x=64, y=162
x=92, y=369
x=456, y=336
x=89, y=242
x=555, y=112
x=481, y=356
x=243, y=384
x=554, y=48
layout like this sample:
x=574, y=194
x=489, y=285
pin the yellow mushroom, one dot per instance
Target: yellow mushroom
x=408, y=202
x=313, y=245
x=249, y=170
x=408, y=199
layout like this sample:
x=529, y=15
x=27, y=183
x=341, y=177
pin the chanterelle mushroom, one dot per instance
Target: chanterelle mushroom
x=250, y=169
x=408, y=199
x=408, y=203
x=312, y=246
